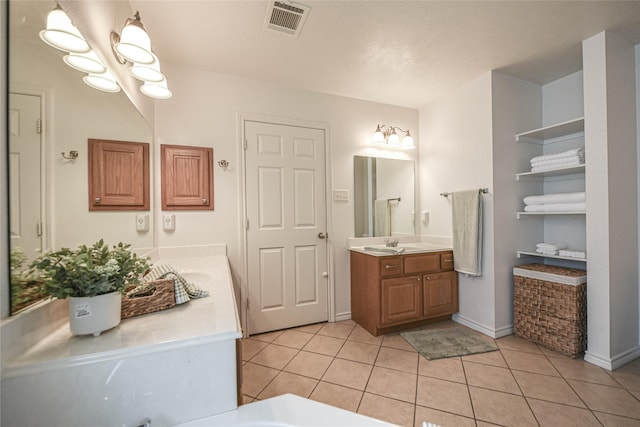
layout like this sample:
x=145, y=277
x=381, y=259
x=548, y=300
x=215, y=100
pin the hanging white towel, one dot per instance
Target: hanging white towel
x=382, y=218
x=467, y=231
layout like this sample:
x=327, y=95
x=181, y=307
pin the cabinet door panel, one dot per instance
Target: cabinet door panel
x=440, y=293
x=401, y=299
x=187, y=177
x=118, y=175
x=421, y=263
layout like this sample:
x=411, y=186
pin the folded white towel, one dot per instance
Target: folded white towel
x=574, y=197
x=573, y=254
x=538, y=167
x=569, y=153
x=564, y=160
x=551, y=246
x=547, y=251
x=557, y=207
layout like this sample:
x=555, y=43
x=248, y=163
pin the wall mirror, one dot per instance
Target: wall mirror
x=384, y=197
x=48, y=200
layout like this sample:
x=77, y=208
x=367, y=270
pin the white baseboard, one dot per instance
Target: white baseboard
x=493, y=333
x=615, y=362
x=339, y=317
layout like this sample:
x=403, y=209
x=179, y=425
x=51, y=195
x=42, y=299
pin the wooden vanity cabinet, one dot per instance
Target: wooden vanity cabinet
x=391, y=293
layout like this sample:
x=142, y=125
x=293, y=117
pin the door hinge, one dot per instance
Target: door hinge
x=39, y=229
x=39, y=125
x=245, y=143
x=248, y=303
x=246, y=224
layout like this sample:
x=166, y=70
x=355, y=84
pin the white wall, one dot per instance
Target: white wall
x=456, y=154
x=77, y=112
x=205, y=111
x=611, y=179
x=516, y=108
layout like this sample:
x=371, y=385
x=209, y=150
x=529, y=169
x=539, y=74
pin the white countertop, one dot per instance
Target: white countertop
x=204, y=320
x=409, y=248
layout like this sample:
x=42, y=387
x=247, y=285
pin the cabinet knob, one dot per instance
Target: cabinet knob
x=204, y=201
x=97, y=200
x=391, y=266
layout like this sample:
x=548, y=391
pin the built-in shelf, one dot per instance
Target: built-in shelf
x=526, y=214
x=535, y=254
x=549, y=133
x=563, y=172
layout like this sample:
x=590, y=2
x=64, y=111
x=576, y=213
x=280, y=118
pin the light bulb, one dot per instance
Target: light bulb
x=147, y=72
x=135, y=44
x=62, y=34
x=158, y=90
x=104, y=82
x=407, y=141
x=87, y=62
x=378, y=136
x=393, y=139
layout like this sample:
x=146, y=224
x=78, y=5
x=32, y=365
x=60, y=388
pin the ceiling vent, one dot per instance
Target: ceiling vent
x=286, y=17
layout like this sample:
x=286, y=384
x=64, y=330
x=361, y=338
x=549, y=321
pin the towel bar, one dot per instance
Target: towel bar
x=481, y=190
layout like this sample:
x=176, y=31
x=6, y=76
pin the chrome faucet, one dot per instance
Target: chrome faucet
x=391, y=243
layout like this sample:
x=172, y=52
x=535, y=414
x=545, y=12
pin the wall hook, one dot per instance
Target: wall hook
x=223, y=164
x=73, y=154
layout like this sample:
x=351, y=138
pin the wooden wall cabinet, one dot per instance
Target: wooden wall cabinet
x=118, y=175
x=391, y=293
x=187, y=177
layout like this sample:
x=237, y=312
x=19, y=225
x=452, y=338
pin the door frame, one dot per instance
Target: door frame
x=46, y=158
x=242, y=118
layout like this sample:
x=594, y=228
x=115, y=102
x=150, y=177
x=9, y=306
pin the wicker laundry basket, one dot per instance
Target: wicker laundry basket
x=550, y=307
x=159, y=296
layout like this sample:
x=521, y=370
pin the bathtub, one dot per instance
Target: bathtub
x=287, y=410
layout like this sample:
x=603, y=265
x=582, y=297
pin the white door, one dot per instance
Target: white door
x=25, y=173
x=286, y=235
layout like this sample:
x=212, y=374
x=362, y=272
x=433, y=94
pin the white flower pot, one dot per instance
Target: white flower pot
x=93, y=315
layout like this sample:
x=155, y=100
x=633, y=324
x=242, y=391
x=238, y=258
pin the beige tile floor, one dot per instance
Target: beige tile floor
x=522, y=384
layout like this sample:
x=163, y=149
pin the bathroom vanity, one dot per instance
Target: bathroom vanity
x=169, y=367
x=394, y=291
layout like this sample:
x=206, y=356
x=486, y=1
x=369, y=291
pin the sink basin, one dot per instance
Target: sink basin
x=406, y=248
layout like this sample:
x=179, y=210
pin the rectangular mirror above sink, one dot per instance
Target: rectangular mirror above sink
x=384, y=197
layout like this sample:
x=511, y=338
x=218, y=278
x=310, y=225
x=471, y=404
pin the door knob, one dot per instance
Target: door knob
x=321, y=235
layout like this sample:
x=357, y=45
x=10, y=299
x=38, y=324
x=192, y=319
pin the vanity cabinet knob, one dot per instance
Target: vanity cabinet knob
x=204, y=201
x=97, y=200
x=387, y=266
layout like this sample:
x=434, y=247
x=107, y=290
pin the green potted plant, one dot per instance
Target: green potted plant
x=94, y=279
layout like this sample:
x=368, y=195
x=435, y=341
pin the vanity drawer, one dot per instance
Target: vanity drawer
x=446, y=261
x=421, y=263
x=390, y=266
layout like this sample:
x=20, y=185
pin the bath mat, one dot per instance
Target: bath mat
x=449, y=342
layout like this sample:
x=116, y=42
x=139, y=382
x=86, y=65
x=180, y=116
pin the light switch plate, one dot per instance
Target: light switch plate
x=169, y=222
x=341, y=195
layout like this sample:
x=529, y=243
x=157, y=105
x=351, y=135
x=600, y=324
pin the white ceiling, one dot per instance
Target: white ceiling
x=404, y=53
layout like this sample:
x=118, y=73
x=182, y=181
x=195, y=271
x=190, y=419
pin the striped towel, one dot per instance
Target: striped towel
x=184, y=290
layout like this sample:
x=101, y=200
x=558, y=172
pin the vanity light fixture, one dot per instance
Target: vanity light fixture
x=87, y=62
x=386, y=134
x=147, y=72
x=134, y=44
x=104, y=82
x=62, y=34
x=158, y=90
